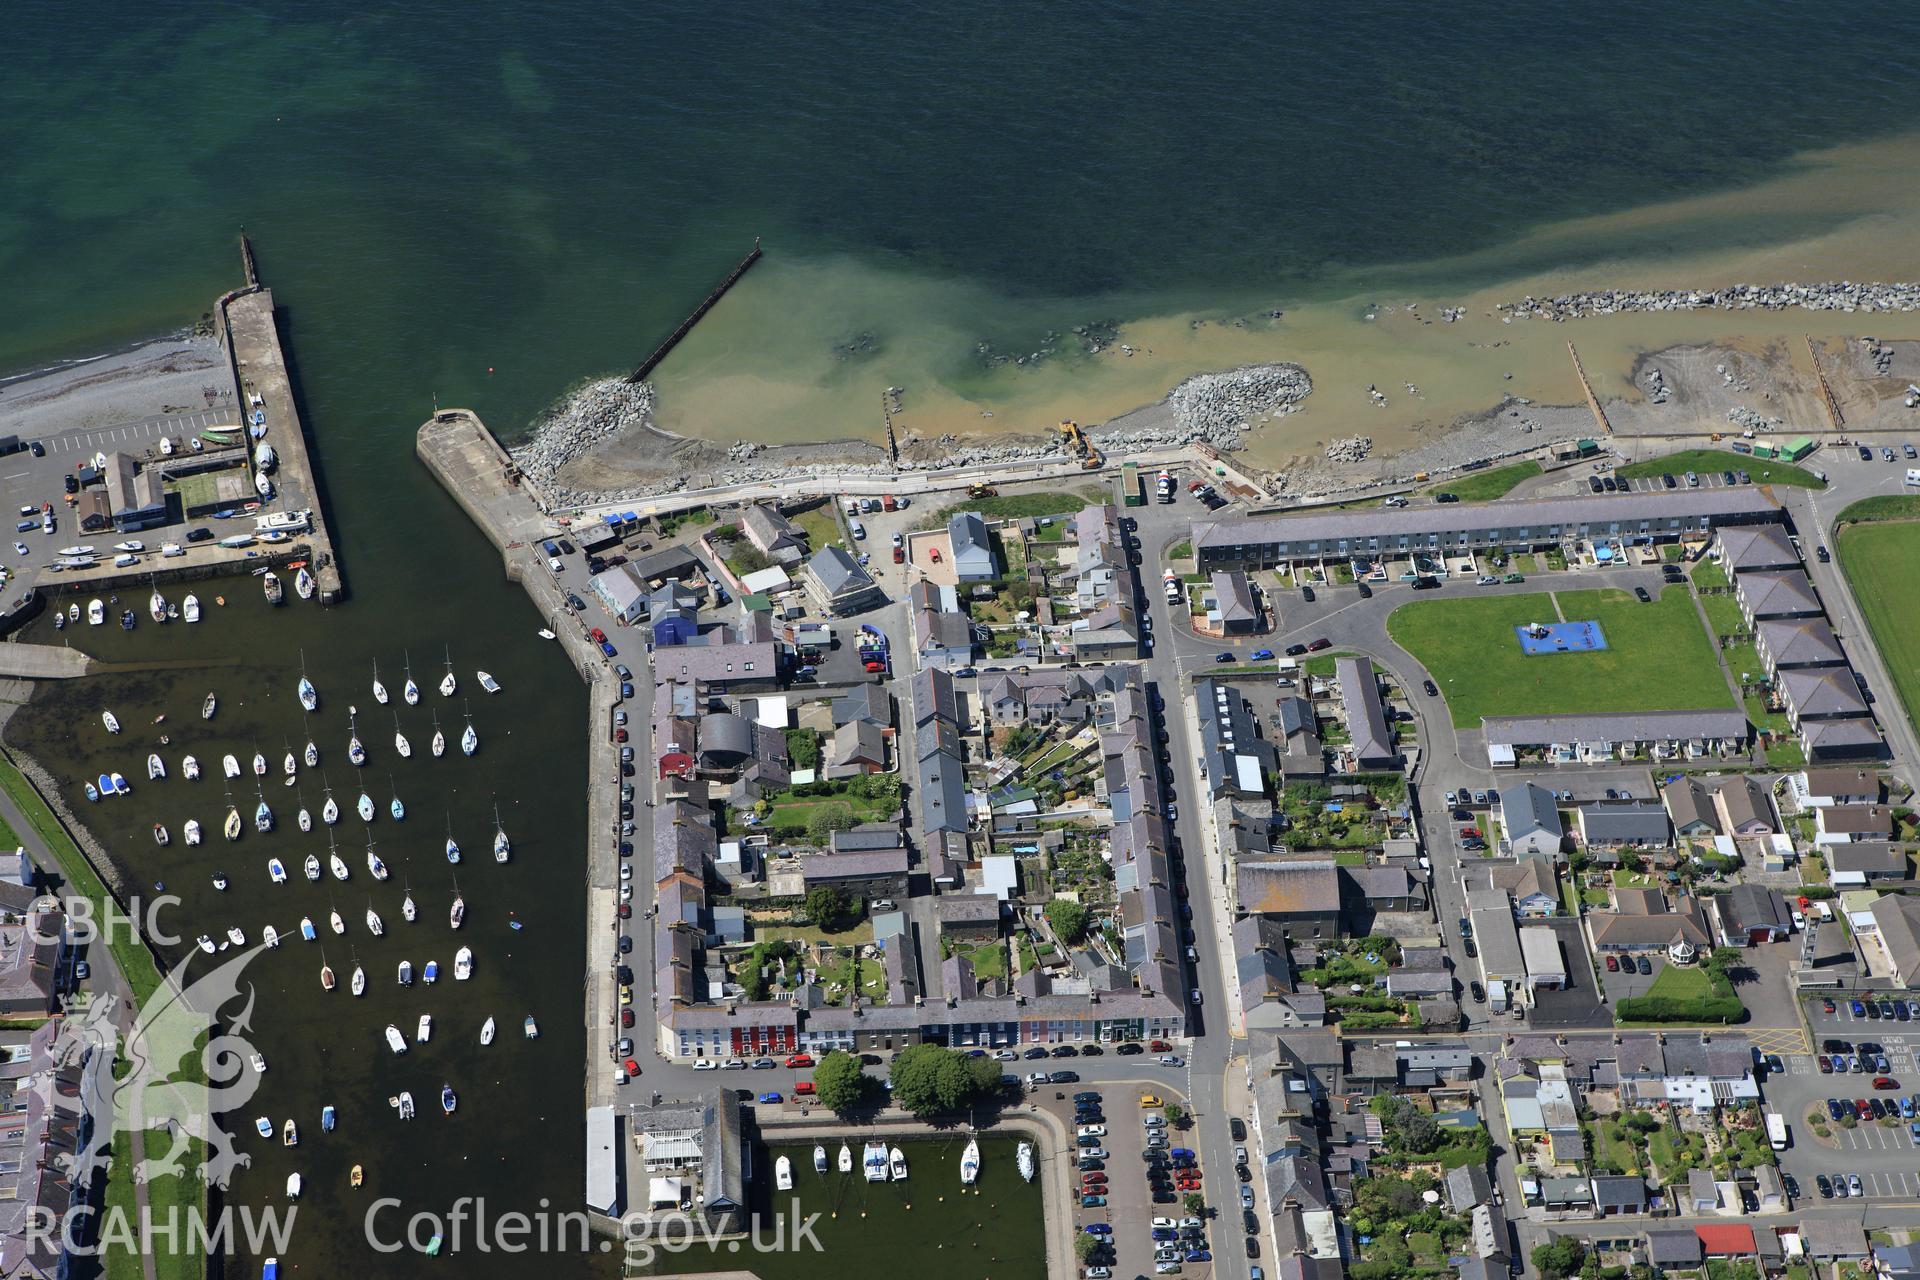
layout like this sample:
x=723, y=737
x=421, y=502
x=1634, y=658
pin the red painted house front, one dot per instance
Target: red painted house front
x=762, y=1040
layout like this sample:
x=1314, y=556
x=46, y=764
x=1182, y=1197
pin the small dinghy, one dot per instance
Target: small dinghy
x=270, y=581
x=405, y=1105
x=120, y=787
x=293, y=1179
x=307, y=931
x=530, y=1028
x=406, y=973
x=424, y=1031
x=190, y=608
x=263, y=1126
x=326, y=976
x=220, y=881
x=463, y=964
x=276, y=871
x=312, y=867
x=160, y=836
x=271, y=936
x=396, y=1041
x=156, y=767
x=237, y=936
x=110, y=720
x=230, y=766
x=327, y=1118
x=430, y=974
x=192, y=832
x=205, y=944
x=208, y=707
x=447, y=1101
x=190, y=769
x=487, y=682
x=93, y=793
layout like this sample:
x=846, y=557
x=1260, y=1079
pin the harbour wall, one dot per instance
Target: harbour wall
x=456, y=446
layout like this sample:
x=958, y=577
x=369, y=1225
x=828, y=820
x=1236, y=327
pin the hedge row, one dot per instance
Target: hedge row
x=1722, y=1009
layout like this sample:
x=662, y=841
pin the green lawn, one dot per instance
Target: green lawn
x=1718, y=460
x=1723, y=612
x=1485, y=486
x=820, y=526
x=1658, y=659
x=1882, y=563
x=1707, y=574
x=1681, y=984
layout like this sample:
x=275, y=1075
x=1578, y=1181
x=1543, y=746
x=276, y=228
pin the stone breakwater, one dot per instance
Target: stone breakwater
x=590, y=415
x=1220, y=407
x=1840, y=295
x=1216, y=409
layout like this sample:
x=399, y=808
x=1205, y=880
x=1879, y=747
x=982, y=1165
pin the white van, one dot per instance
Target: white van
x=1913, y=475
x=859, y=530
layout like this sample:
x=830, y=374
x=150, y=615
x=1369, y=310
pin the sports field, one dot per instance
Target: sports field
x=1882, y=563
x=1658, y=656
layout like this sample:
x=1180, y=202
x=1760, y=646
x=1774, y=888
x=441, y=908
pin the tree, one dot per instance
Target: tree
x=829, y=818
x=1419, y=1131
x=803, y=747
x=929, y=1079
x=1195, y=1203
x=1085, y=1246
x=1068, y=918
x=840, y=1083
x=824, y=907
x=1175, y=1113
x=1559, y=1258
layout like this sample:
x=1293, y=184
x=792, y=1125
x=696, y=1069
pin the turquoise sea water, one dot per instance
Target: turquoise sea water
x=482, y=202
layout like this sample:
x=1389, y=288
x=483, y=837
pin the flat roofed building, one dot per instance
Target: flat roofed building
x=1540, y=951
x=1239, y=542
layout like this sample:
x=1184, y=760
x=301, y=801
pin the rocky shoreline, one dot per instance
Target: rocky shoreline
x=1840, y=295
x=599, y=417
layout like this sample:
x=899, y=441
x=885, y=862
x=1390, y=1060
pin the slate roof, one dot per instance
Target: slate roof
x=1822, y=692
x=1642, y=822
x=1293, y=887
x=1756, y=546
x=1799, y=642
x=1772, y=593
x=1626, y=726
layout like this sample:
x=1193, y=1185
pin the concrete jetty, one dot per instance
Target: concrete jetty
x=252, y=340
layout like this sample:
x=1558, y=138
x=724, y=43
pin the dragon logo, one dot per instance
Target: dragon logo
x=188, y=1065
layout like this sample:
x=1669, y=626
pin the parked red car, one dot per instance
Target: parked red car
x=1159, y=1046
x=1613, y=964
x=599, y=636
x=800, y=1060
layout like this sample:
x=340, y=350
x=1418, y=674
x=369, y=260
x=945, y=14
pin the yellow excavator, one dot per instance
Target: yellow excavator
x=1077, y=439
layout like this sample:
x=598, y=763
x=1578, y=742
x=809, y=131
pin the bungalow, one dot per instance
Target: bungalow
x=1775, y=593
x=1677, y=931
x=1529, y=881
x=1844, y=823
x=1673, y=1249
x=1702, y=1196
x=1690, y=806
x=1833, y=1239
x=1639, y=824
x=1818, y=788
x=1744, y=807
x=1530, y=820
x=1618, y=1196
x=1567, y=1195
x=1749, y=914
x=1725, y=1240
x=1859, y=862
